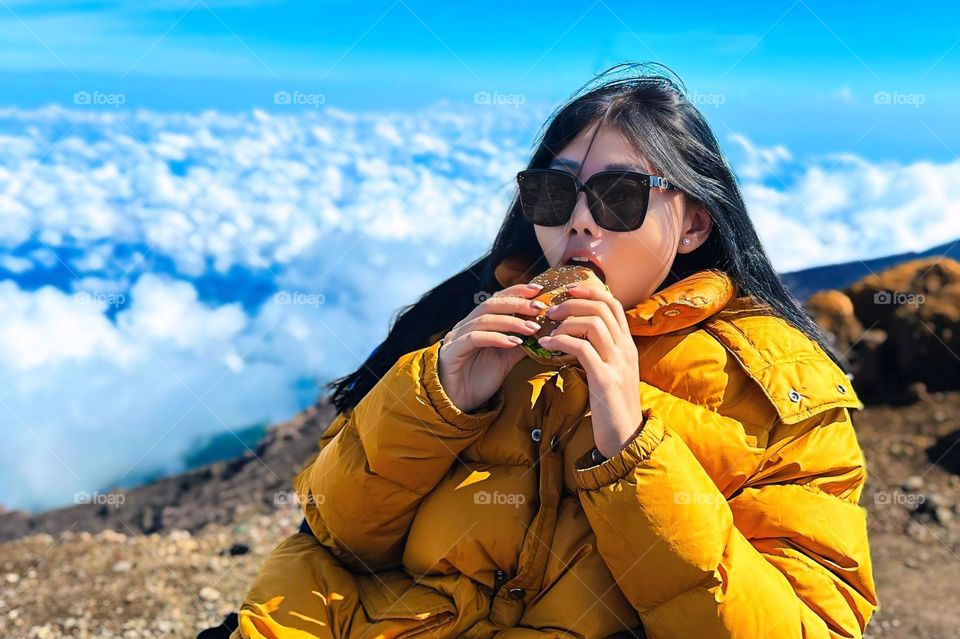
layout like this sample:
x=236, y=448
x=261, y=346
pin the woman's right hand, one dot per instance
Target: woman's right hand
x=477, y=354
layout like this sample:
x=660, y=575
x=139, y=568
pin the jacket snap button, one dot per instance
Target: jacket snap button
x=555, y=442
x=794, y=396
x=536, y=434
x=841, y=388
x=516, y=593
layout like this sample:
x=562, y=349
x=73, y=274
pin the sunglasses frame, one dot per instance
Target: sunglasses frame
x=647, y=182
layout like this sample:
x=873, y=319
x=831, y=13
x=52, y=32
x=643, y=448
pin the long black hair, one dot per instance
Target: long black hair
x=648, y=104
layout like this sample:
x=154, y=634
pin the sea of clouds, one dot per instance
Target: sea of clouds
x=165, y=277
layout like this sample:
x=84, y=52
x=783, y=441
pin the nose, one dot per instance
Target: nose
x=581, y=219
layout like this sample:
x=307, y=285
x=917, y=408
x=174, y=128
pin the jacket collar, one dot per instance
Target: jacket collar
x=684, y=303
x=679, y=305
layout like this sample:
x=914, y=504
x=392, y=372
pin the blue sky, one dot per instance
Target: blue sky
x=803, y=73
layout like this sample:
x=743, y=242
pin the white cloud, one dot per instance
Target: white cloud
x=169, y=311
x=843, y=207
x=758, y=162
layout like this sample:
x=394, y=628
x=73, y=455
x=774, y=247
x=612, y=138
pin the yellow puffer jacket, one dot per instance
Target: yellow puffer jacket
x=733, y=513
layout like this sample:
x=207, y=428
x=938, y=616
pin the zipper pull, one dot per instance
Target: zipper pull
x=499, y=577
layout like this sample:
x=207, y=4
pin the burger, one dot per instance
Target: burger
x=553, y=281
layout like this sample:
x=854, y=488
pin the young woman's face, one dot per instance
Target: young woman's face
x=635, y=263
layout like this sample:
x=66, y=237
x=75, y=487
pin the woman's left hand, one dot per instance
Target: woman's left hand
x=594, y=329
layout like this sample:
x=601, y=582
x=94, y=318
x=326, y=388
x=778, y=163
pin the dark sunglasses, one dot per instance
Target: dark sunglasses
x=617, y=199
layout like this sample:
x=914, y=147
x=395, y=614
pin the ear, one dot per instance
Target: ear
x=696, y=228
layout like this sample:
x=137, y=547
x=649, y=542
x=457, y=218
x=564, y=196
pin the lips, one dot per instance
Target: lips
x=590, y=265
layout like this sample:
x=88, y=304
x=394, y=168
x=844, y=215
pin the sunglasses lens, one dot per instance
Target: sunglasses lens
x=547, y=197
x=619, y=201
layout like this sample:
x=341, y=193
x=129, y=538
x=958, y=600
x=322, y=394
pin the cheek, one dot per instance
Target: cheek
x=638, y=261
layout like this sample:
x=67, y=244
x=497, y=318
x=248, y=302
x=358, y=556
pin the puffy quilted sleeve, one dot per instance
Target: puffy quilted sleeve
x=781, y=553
x=359, y=493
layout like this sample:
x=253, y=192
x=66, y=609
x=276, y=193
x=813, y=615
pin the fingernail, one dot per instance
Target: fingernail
x=534, y=287
x=539, y=304
x=532, y=324
x=571, y=285
x=515, y=339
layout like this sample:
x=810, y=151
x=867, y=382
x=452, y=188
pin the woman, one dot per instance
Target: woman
x=695, y=474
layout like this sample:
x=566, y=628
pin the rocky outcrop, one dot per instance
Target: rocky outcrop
x=899, y=329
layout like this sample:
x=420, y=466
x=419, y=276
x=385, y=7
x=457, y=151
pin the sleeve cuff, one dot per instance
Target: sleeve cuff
x=430, y=379
x=592, y=477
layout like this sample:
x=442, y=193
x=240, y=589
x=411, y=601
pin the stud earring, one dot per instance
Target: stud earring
x=685, y=241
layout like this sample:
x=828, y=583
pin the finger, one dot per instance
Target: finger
x=579, y=348
x=465, y=344
x=519, y=290
x=594, y=330
x=504, y=305
x=500, y=323
x=607, y=298
x=588, y=307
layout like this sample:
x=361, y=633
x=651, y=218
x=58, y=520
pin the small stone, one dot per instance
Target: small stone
x=943, y=514
x=122, y=566
x=41, y=632
x=209, y=594
x=11, y=578
x=111, y=536
x=185, y=544
x=913, y=483
x=937, y=500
